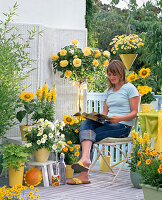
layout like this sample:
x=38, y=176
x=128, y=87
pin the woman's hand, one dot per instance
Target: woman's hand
x=114, y=119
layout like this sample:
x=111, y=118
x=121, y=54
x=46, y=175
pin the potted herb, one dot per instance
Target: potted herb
x=15, y=157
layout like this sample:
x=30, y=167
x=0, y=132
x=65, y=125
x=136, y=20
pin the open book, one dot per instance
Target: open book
x=93, y=116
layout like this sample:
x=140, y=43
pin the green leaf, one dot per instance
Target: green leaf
x=20, y=115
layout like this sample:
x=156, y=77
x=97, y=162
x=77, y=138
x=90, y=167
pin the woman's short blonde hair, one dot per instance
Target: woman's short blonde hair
x=116, y=67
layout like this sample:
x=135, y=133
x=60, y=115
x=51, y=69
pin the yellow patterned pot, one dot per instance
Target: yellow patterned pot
x=16, y=177
x=128, y=59
x=23, y=132
x=41, y=155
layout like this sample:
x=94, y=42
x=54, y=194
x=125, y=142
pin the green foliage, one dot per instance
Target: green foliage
x=14, y=156
x=71, y=132
x=13, y=60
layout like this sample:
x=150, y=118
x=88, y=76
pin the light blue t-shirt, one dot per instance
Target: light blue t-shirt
x=118, y=101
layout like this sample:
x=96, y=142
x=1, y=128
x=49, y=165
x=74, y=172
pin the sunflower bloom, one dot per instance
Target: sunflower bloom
x=132, y=77
x=68, y=119
x=144, y=72
x=28, y=96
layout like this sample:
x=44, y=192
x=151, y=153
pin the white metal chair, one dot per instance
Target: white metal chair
x=116, y=143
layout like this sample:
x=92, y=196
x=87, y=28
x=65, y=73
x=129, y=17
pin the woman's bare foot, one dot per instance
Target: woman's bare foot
x=86, y=162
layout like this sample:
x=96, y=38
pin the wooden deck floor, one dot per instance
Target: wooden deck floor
x=99, y=188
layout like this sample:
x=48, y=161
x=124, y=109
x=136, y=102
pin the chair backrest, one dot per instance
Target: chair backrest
x=136, y=119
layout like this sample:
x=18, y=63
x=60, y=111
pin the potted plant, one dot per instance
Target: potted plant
x=26, y=102
x=127, y=47
x=150, y=168
x=44, y=105
x=15, y=157
x=143, y=82
x=72, y=128
x=78, y=65
x=44, y=137
x=71, y=152
x=140, y=144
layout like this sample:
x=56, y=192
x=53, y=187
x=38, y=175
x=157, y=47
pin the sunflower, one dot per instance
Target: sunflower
x=68, y=119
x=132, y=77
x=144, y=72
x=27, y=96
x=33, y=177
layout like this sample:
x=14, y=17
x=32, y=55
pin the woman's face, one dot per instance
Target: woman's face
x=114, y=78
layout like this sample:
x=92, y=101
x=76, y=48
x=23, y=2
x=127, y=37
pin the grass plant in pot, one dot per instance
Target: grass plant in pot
x=43, y=138
x=71, y=152
x=140, y=144
x=150, y=168
x=15, y=157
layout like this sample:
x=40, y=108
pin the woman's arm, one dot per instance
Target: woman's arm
x=134, y=101
x=105, y=108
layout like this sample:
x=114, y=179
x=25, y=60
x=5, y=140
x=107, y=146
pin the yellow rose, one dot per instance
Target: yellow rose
x=106, y=53
x=55, y=57
x=63, y=52
x=97, y=53
x=106, y=63
x=75, y=56
x=95, y=62
x=87, y=51
x=64, y=63
x=68, y=73
x=77, y=62
x=75, y=42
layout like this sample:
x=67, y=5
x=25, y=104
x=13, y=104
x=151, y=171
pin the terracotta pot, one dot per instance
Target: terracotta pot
x=16, y=177
x=23, y=132
x=42, y=155
x=69, y=172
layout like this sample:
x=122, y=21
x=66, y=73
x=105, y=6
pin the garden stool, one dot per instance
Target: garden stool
x=47, y=170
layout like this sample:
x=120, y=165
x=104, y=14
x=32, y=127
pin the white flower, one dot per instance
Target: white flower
x=28, y=145
x=106, y=53
x=41, y=120
x=43, y=140
x=44, y=136
x=39, y=133
x=54, y=147
x=29, y=129
x=57, y=133
x=40, y=129
x=51, y=125
x=50, y=135
x=62, y=136
x=38, y=142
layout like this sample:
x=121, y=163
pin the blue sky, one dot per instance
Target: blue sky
x=123, y=4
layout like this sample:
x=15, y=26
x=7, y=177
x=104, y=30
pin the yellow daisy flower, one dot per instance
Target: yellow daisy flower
x=76, y=154
x=144, y=72
x=27, y=96
x=139, y=162
x=77, y=146
x=69, y=142
x=148, y=161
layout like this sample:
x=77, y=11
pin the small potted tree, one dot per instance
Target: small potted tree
x=15, y=157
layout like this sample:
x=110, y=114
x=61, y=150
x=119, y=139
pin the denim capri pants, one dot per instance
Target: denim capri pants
x=95, y=131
